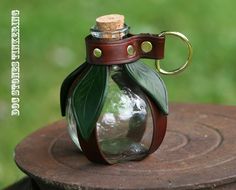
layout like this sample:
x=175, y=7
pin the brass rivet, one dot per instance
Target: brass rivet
x=97, y=52
x=130, y=50
x=146, y=46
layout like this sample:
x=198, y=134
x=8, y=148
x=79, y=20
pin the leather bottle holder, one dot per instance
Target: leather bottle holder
x=115, y=51
x=100, y=51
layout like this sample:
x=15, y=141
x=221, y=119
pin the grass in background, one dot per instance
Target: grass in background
x=52, y=45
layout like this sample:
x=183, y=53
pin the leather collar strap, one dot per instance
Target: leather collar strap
x=116, y=51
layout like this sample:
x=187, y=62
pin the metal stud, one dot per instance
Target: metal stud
x=146, y=46
x=97, y=52
x=130, y=50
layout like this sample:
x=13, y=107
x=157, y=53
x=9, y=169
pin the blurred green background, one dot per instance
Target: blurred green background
x=52, y=45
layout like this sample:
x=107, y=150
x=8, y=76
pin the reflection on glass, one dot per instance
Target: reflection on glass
x=124, y=120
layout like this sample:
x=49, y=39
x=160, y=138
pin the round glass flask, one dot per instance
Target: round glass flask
x=126, y=128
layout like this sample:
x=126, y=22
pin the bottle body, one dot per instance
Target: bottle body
x=124, y=128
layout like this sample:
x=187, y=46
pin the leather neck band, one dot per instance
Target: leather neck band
x=116, y=52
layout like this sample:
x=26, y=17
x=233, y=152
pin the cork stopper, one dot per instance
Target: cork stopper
x=110, y=22
x=111, y=26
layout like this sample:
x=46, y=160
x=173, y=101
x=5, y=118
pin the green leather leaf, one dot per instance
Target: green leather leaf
x=65, y=87
x=150, y=82
x=88, y=99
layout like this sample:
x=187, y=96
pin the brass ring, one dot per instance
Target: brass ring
x=188, y=61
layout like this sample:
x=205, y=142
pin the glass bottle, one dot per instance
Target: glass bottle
x=125, y=129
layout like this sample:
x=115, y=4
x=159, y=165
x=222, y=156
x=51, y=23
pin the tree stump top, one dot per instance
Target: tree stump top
x=199, y=151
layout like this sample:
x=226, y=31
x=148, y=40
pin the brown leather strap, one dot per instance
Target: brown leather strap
x=91, y=148
x=115, y=52
x=159, y=127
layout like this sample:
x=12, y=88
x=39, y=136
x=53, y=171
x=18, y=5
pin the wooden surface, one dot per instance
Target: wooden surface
x=198, y=152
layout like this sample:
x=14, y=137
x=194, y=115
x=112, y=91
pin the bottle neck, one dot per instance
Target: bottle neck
x=110, y=35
